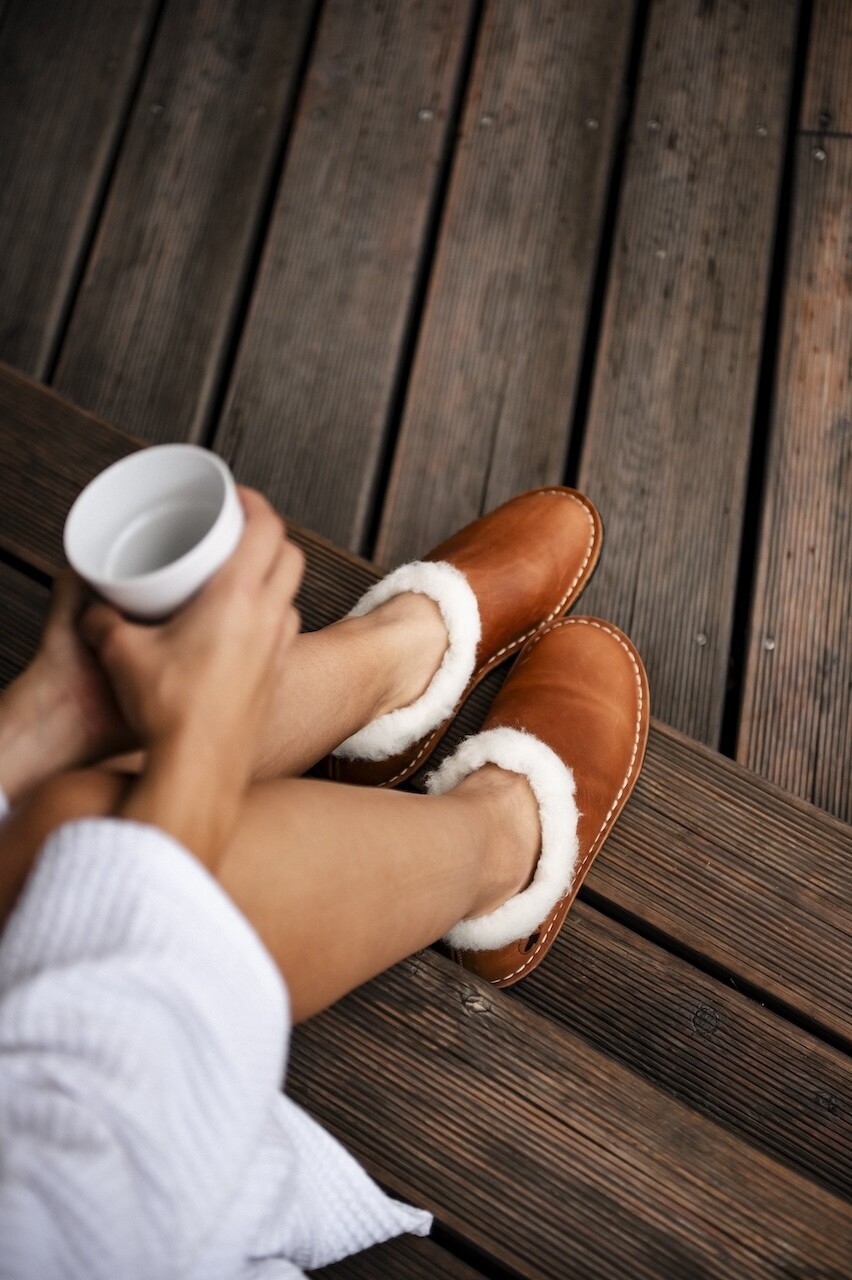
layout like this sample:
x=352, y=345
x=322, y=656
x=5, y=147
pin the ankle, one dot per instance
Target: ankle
x=507, y=815
x=409, y=632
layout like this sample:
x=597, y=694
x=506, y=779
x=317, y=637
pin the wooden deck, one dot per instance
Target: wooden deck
x=397, y=261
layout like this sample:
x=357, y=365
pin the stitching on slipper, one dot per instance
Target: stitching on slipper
x=516, y=644
x=590, y=622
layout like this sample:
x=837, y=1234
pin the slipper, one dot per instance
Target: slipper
x=498, y=582
x=573, y=718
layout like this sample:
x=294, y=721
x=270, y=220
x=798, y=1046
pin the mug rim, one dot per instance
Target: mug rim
x=103, y=478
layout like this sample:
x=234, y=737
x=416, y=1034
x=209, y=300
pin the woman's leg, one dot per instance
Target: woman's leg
x=342, y=677
x=342, y=882
x=339, y=882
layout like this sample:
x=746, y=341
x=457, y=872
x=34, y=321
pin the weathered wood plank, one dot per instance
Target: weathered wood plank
x=404, y=1259
x=23, y=607
x=543, y=1152
x=49, y=449
x=67, y=72
x=489, y=405
x=721, y=862
x=669, y=431
x=701, y=1040
x=157, y=304
x=733, y=869
x=827, y=101
x=796, y=723
x=307, y=410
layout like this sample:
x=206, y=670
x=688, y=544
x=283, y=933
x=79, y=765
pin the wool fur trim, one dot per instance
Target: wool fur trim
x=449, y=588
x=552, y=783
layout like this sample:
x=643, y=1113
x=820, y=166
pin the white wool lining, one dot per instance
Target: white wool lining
x=552, y=783
x=452, y=593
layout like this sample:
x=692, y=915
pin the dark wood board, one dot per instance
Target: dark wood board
x=796, y=724
x=721, y=862
x=307, y=410
x=827, y=102
x=67, y=74
x=49, y=450
x=702, y=1041
x=154, y=317
x=403, y=1259
x=489, y=405
x=668, y=438
x=543, y=1153
x=23, y=606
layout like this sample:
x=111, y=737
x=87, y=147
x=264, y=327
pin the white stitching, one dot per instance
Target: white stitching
x=515, y=644
x=590, y=622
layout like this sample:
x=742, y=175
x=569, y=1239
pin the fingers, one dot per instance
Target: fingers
x=261, y=542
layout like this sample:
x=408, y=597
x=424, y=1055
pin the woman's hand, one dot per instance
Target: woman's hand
x=193, y=690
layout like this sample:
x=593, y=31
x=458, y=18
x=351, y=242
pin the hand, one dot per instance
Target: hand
x=194, y=688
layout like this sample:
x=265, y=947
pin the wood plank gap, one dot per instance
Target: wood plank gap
x=711, y=969
x=762, y=422
x=79, y=271
x=472, y=1254
x=668, y=435
x=823, y=133
x=406, y=1258
x=19, y=565
x=213, y=413
x=600, y=279
x=413, y=323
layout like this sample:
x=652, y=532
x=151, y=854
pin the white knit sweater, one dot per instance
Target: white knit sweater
x=143, y=1042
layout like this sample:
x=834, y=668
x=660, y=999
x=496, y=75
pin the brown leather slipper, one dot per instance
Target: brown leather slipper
x=498, y=583
x=573, y=718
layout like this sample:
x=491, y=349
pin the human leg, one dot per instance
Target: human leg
x=339, y=882
x=498, y=581
x=342, y=882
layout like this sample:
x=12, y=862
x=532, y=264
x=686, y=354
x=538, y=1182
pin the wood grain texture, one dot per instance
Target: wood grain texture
x=827, y=101
x=402, y=1259
x=721, y=862
x=543, y=1152
x=23, y=607
x=796, y=724
x=702, y=1041
x=67, y=72
x=669, y=431
x=158, y=300
x=735, y=870
x=49, y=450
x=307, y=411
x=489, y=405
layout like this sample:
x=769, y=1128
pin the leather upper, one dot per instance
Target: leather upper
x=581, y=688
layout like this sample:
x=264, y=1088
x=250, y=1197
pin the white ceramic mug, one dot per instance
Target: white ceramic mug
x=150, y=530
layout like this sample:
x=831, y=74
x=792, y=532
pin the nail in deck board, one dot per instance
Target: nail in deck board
x=307, y=409
x=670, y=422
x=796, y=725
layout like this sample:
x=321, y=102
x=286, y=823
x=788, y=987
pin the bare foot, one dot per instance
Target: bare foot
x=505, y=804
x=413, y=630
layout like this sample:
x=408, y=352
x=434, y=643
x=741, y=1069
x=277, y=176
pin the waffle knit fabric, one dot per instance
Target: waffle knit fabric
x=143, y=1043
